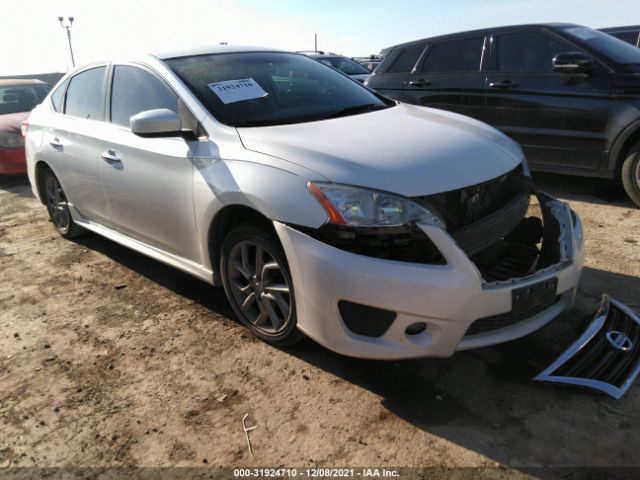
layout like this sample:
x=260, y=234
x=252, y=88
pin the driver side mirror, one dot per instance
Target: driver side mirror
x=161, y=122
x=573, y=62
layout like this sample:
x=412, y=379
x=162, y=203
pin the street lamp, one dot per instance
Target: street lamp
x=68, y=26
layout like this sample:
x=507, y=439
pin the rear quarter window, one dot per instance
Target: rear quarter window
x=57, y=97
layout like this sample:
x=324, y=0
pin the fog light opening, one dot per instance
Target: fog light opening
x=416, y=328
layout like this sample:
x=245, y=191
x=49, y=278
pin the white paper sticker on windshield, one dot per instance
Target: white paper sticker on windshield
x=231, y=91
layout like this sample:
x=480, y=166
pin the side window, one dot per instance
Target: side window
x=58, y=96
x=135, y=90
x=85, y=95
x=529, y=52
x=406, y=59
x=456, y=56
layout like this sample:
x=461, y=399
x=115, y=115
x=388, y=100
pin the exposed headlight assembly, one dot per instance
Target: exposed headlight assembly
x=361, y=207
x=376, y=224
x=11, y=140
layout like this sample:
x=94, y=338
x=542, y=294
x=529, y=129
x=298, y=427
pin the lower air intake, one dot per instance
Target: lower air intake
x=365, y=320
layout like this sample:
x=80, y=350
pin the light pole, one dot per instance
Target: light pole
x=67, y=27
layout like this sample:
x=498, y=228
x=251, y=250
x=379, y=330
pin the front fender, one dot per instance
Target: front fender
x=275, y=193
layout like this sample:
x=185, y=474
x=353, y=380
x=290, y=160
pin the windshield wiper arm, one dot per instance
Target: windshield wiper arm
x=256, y=123
x=366, y=107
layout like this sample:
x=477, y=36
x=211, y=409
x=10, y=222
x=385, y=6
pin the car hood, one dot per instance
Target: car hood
x=405, y=149
x=12, y=121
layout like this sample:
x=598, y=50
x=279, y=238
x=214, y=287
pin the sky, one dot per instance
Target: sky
x=34, y=42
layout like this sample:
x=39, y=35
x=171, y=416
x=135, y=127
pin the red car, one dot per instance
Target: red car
x=17, y=99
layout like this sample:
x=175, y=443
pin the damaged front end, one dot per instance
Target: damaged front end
x=471, y=267
x=607, y=355
x=506, y=228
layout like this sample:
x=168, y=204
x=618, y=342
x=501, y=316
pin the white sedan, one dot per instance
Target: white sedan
x=378, y=229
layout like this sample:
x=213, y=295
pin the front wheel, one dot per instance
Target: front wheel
x=631, y=174
x=58, y=207
x=256, y=279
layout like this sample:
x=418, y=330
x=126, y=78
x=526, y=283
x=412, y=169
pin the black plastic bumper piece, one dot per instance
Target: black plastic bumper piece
x=365, y=320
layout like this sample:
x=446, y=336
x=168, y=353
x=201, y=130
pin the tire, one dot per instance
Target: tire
x=631, y=174
x=58, y=207
x=262, y=298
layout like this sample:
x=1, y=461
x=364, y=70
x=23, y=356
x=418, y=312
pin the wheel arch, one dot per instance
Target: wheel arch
x=224, y=220
x=629, y=137
x=40, y=168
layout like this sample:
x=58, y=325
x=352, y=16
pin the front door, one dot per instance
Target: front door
x=559, y=119
x=148, y=181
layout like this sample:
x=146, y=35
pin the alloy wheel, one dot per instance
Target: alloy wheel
x=259, y=287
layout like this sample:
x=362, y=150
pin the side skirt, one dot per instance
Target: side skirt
x=170, y=259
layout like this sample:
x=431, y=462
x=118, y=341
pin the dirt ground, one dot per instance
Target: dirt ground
x=108, y=358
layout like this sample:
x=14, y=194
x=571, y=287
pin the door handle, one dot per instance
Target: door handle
x=110, y=157
x=504, y=84
x=420, y=83
x=55, y=143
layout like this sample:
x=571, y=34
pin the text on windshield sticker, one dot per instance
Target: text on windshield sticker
x=231, y=91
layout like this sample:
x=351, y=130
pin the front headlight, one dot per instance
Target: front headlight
x=11, y=140
x=354, y=206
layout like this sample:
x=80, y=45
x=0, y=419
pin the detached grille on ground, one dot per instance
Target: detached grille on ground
x=606, y=357
x=365, y=320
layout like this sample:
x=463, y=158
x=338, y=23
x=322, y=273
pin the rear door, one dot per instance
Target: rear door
x=389, y=77
x=450, y=76
x=559, y=119
x=71, y=147
x=148, y=181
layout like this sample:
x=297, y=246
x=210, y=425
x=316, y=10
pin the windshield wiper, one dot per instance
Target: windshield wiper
x=257, y=123
x=367, y=107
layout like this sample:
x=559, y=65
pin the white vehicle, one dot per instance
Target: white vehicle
x=378, y=229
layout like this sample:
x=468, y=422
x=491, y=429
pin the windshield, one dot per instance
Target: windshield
x=345, y=65
x=22, y=98
x=267, y=88
x=612, y=47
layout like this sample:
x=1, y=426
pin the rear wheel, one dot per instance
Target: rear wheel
x=258, y=284
x=631, y=174
x=58, y=207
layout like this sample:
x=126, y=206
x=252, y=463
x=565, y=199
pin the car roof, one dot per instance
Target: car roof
x=210, y=49
x=629, y=28
x=14, y=82
x=482, y=31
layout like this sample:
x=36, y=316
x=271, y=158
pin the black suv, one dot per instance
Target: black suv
x=570, y=95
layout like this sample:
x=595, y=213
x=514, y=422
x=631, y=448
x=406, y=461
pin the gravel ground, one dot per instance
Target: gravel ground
x=108, y=358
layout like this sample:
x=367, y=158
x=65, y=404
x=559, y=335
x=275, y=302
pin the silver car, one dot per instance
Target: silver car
x=380, y=230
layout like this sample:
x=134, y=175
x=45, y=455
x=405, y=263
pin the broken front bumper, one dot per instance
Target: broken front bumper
x=606, y=357
x=392, y=301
